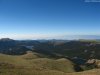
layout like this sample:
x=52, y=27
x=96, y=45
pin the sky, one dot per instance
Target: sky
x=38, y=19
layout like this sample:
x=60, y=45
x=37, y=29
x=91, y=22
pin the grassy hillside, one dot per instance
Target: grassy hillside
x=32, y=64
x=90, y=72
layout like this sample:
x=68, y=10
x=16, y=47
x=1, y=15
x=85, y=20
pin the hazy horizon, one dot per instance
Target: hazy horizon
x=59, y=37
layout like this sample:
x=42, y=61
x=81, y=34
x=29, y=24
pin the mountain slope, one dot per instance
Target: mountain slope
x=17, y=65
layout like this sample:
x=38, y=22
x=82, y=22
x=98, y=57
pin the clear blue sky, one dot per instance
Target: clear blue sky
x=48, y=18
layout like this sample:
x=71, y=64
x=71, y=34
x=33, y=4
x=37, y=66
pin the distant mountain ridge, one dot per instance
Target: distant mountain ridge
x=52, y=48
x=6, y=39
x=77, y=37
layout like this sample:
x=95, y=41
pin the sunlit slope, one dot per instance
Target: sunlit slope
x=32, y=64
x=90, y=72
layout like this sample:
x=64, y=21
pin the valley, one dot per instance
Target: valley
x=49, y=57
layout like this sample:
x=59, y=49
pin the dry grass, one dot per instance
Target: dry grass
x=31, y=64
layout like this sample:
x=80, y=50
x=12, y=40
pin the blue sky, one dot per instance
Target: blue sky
x=36, y=19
